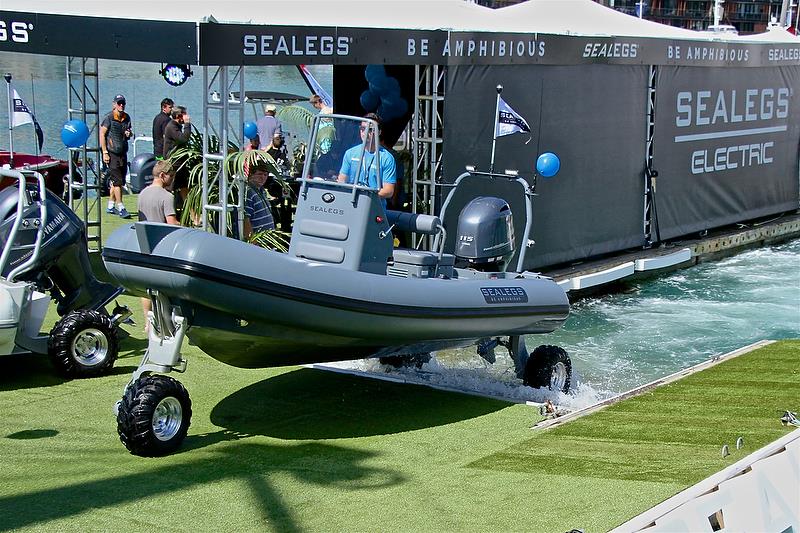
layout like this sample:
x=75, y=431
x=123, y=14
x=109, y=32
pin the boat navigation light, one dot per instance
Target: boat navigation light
x=510, y=172
x=470, y=168
x=176, y=75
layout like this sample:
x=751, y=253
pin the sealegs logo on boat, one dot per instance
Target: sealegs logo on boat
x=329, y=210
x=15, y=31
x=504, y=295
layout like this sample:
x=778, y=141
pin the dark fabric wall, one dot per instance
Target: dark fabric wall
x=726, y=145
x=349, y=82
x=592, y=117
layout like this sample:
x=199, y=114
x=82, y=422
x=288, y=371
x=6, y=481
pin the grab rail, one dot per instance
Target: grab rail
x=21, y=205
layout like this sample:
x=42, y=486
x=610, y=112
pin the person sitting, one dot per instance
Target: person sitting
x=277, y=150
x=366, y=172
x=257, y=212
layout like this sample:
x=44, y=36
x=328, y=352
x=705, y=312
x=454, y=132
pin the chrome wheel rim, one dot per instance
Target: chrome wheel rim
x=558, y=377
x=167, y=418
x=90, y=347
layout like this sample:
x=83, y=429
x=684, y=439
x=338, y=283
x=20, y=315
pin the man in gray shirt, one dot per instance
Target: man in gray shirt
x=157, y=204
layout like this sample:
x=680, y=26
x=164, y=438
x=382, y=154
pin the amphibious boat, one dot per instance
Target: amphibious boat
x=342, y=291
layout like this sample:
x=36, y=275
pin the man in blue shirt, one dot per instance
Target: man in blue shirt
x=365, y=172
x=257, y=212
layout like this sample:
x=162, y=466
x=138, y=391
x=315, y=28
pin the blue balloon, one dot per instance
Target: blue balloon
x=374, y=72
x=548, y=165
x=392, y=108
x=250, y=129
x=74, y=133
x=369, y=101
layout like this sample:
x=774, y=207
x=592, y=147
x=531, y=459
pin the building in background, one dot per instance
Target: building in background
x=748, y=16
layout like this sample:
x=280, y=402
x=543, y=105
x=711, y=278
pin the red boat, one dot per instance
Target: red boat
x=54, y=170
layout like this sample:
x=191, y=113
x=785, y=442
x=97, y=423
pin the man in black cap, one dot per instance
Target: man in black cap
x=115, y=130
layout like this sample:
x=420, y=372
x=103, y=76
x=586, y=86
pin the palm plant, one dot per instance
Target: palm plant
x=189, y=158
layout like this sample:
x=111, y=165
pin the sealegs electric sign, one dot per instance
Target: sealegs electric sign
x=734, y=128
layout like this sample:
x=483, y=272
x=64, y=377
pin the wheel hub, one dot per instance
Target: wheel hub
x=167, y=418
x=558, y=376
x=90, y=347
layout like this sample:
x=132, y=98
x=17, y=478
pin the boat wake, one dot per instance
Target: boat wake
x=479, y=378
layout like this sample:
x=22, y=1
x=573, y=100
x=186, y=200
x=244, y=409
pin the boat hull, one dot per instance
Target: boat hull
x=252, y=307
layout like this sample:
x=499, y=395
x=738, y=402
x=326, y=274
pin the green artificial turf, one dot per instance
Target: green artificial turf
x=295, y=449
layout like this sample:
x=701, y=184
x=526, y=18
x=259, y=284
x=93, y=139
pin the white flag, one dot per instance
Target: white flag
x=22, y=115
x=315, y=86
x=508, y=121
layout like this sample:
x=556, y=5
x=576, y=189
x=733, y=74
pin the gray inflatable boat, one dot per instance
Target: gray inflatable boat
x=341, y=292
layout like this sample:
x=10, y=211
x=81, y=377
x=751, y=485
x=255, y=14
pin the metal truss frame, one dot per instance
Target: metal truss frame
x=223, y=117
x=82, y=103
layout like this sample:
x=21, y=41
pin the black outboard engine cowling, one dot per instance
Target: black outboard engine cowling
x=485, y=237
x=63, y=257
x=142, y=172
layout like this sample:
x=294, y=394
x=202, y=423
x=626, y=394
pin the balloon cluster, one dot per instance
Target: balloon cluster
x=74, y=133
x=250, y=129
x=383, y=95
x=548, y=165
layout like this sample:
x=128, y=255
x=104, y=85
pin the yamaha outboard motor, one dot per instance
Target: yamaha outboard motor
x=142, y=172
x=485, y=236
x=63, y=267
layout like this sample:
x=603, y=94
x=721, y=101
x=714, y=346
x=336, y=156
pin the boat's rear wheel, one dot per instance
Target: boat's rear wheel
x=83, y=344
x=154, y=416
x=548, y=366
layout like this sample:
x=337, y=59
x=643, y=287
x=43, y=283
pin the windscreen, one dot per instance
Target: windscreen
x=344, y=148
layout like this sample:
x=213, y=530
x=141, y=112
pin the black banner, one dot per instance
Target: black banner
x=726, y=146
x=107, y=38
x=250, y=44
x=243, y=44
x=592, y=117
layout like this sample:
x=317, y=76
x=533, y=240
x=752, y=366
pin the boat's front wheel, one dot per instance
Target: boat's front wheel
x=154, y=416
x=548, y=366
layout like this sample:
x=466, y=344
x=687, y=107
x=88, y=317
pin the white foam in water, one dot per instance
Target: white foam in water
x=620, y=341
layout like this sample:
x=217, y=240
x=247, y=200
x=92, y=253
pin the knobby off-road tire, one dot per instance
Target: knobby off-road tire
x=549, y=366
x=83, y=344
x=154, y=416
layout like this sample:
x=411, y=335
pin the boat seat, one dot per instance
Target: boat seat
x=414, y=222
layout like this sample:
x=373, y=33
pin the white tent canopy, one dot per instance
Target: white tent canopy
x=580, y=17
x=560, y=17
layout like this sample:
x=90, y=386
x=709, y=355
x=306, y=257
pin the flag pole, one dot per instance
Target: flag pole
x=33, y=112
x=10, y=122
x=494, y=133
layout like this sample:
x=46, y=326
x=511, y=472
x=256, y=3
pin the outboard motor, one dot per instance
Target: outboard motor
x=142, y=172
x=485, y=235
x=63, y=267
